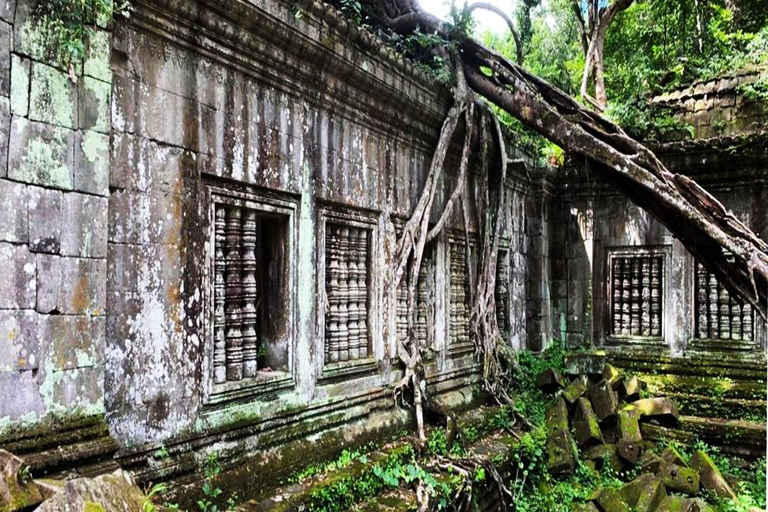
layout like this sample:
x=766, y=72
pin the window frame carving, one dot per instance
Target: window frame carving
x=458, y=348
x=331, y=372
x=265, y=385
x=635, y=252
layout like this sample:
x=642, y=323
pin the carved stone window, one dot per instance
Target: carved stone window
x=718, y=315
x=637, y=293
x=347, y=257
x=460, y=305
x=251, y=328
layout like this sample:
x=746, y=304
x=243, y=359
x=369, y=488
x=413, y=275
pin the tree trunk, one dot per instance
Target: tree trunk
x=715, y=237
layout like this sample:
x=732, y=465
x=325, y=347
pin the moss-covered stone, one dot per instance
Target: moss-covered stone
x=679, y=478
x=17, y=490
x=585, y=425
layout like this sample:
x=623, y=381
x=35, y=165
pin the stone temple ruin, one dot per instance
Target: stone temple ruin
x=195, y=235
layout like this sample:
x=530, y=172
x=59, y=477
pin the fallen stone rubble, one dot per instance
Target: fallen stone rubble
x=597, y=416
x=112, y=492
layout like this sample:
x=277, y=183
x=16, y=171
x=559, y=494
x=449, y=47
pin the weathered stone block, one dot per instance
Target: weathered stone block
x=585, y=364
x=658, y=408
x=678, y=504
x=45, y=218
x=609, y=500
x=16, y=492
x=70, y=342
x=27, y=400
x=18, y=283
x=7, y=9
x=561, y=460
x=114, y=491
x=52, y=97
x=679, y=478
x=85, y=218
x=672, y=456
x=19, y=338
x=586, y=507
x=585, y=425
x=557, y=416
x=649, y=462
x=575, y=390
x=48, y=283
x=41, y=154
x=611, y=374
x=94, y=107
x=710, y=476
x=628, y=425
x=550, y=381
x=628, y=450
x=603, y=400
x=5, y=59
x=92, y=163
x=651, y=496
x=13, y=202
x=629, y=388
x=20, y=71
x=83, y=287
x=630, y=492
x=97, y=55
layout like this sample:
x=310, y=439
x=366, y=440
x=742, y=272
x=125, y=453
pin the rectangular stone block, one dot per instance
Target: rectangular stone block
x=83, y=287
x=19, y=338
x=20, y=72
x=575, y=390
x=92, y=163
x=69, y=342
x=41, y=154
x=45, y=218
x=679, y=478
x=97, y=55
x=18, y=283
x=659, y=408
x=81, y=388
x=94, y=105
x=710, y=476
x=629, y=424
x=603, y=400
x=52, y=97
x=48, y=283
x=5, y=59
x=85, y=226
x=585, y=425
x=26, y=400
x=13, y=205
x=550, y=381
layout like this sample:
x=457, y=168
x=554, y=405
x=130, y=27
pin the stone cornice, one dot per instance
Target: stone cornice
x=317, y=56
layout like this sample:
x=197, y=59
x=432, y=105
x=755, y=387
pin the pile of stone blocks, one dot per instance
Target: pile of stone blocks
x=112, y=492
x=598, y=412
x=601, y=410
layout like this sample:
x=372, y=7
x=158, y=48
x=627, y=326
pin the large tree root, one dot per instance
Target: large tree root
x=713, y=235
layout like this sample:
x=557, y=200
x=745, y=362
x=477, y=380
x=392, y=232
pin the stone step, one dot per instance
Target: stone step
x=713, y=406
x=722, y=387
x=734, y=437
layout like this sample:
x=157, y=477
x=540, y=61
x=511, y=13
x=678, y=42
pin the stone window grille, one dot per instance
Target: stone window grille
x=460, y=306
x=637, y=283
x=718, y=315
x=236, y=294
x=347, y=262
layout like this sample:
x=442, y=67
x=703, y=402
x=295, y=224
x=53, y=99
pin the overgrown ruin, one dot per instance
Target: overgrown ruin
x=204, y=218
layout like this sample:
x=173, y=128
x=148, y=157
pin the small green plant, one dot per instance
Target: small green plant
x=63, y=24
x=161, y=453
x=25, y=475
x=154, y=491
x=211, y=492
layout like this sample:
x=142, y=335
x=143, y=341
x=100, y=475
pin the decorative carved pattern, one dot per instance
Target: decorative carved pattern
x=636, y=299
x=718, y=315
x=502, y=292
x=460, y=307
x=235, y=339
x=346, y=287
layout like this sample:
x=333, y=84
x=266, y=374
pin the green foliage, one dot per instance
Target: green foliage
x=344, y=459
x=154, y=491
x=211, y=492
x=63, y=24
x=530, y=401
x=648, y=121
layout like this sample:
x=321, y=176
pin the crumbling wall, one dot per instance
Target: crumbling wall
x=54, y=167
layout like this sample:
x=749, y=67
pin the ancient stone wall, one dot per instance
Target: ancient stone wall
x=631, y=284
x=206, y=267
x=54, y=148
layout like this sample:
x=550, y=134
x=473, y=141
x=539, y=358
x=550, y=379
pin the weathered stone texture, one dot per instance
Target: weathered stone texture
x=18, y=283
x=45, y=220
x=13, y=203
